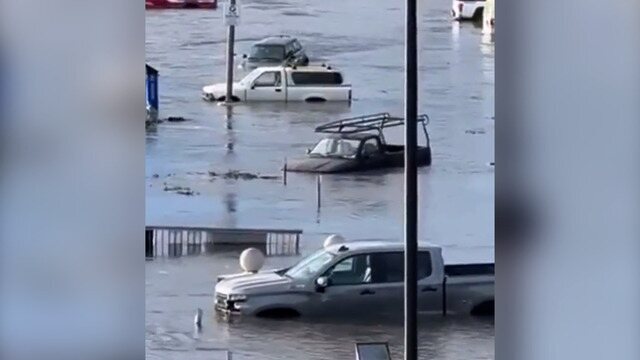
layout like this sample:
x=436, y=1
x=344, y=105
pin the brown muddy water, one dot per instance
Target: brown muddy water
x=364, y=40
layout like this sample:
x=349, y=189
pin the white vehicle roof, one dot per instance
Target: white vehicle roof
x=375, y=245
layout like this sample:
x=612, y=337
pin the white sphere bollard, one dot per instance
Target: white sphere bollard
x=251, y=260
x=333, y=239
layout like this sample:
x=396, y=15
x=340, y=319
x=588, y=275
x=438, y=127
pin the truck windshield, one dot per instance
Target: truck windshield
x=336, y=147
x=267, y=52
x=310, y=266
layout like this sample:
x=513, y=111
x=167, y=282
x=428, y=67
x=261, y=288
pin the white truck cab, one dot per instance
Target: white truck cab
x=362, y=277
x=285, y=83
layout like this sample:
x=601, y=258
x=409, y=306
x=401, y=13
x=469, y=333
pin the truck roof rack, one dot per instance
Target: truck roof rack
x=373, y=122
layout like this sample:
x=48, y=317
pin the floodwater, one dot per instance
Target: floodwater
x=364, y=40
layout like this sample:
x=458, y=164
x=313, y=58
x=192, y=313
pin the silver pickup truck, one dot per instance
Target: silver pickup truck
x=361, y=277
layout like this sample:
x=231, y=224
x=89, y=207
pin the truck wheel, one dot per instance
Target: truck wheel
x=315, y=99
x=483, y=309
x=280, y=313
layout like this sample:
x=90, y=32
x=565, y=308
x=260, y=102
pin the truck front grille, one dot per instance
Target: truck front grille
x=221, y=302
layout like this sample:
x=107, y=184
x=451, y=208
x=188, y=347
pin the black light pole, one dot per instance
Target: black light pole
x=411, y=184
x=231, y=39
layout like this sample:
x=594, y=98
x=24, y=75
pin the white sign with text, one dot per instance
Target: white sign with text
x=231, y=14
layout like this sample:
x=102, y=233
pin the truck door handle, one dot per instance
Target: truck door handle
x=278, y=90
x=429, y=288
x=367, y=292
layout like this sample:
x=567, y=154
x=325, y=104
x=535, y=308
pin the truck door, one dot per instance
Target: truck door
x=430, y=276
x=350, y=290
x=387, y=275
x=267, y=87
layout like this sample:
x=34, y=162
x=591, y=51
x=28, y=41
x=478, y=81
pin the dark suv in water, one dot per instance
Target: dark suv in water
x=276, y=50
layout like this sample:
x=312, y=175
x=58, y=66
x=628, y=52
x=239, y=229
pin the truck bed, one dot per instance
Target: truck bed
x=395, y=155
x=469, y=269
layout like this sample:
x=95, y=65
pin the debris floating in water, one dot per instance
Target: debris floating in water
x=240, y=175
x=176, y=119
x=180, y=190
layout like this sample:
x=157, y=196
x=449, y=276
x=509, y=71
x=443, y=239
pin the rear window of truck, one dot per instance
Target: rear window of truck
x=316, y=78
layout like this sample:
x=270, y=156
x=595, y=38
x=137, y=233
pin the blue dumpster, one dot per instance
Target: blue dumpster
x=152, y=88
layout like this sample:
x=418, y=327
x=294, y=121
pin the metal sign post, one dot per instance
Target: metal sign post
x=231, y=18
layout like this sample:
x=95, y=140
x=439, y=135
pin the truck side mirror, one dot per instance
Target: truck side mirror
x=308, y=151
x=321, y=283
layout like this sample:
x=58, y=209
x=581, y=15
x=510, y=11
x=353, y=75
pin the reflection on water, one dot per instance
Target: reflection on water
x=455, y=194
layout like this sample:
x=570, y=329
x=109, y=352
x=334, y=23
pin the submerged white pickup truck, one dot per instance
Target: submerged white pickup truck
x=361, y=277
x=285, y=83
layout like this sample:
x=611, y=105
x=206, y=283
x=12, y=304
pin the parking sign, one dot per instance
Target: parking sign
x=231, y=14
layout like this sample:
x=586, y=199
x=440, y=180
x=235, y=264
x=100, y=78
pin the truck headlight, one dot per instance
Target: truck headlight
x=237, y=297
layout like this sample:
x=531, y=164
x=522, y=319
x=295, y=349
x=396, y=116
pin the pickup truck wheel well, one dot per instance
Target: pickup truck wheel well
x=485, y=308
x=315, y=99
x=278, y=313
x=478, y=14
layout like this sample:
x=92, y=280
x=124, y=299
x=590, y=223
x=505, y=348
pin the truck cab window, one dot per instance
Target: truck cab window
x=289, y=50
x=389, y=267
x=336, y=147
x=271, y=78
x=370, y=147
x=353, y=270
x=267, y=52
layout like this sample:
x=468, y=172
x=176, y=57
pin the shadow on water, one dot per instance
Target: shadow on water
x=299, y=109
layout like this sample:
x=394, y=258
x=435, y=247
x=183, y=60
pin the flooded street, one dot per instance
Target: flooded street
x=366, y=43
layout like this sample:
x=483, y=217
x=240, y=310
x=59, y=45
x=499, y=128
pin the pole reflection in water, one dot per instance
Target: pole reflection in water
x=230, y=133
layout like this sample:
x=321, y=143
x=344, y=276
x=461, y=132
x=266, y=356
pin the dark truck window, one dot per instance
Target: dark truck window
x=267, y=52
x=370, y=147
x=376, y=268
x=316, y=78
x=290, y=49
x=389, y=267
